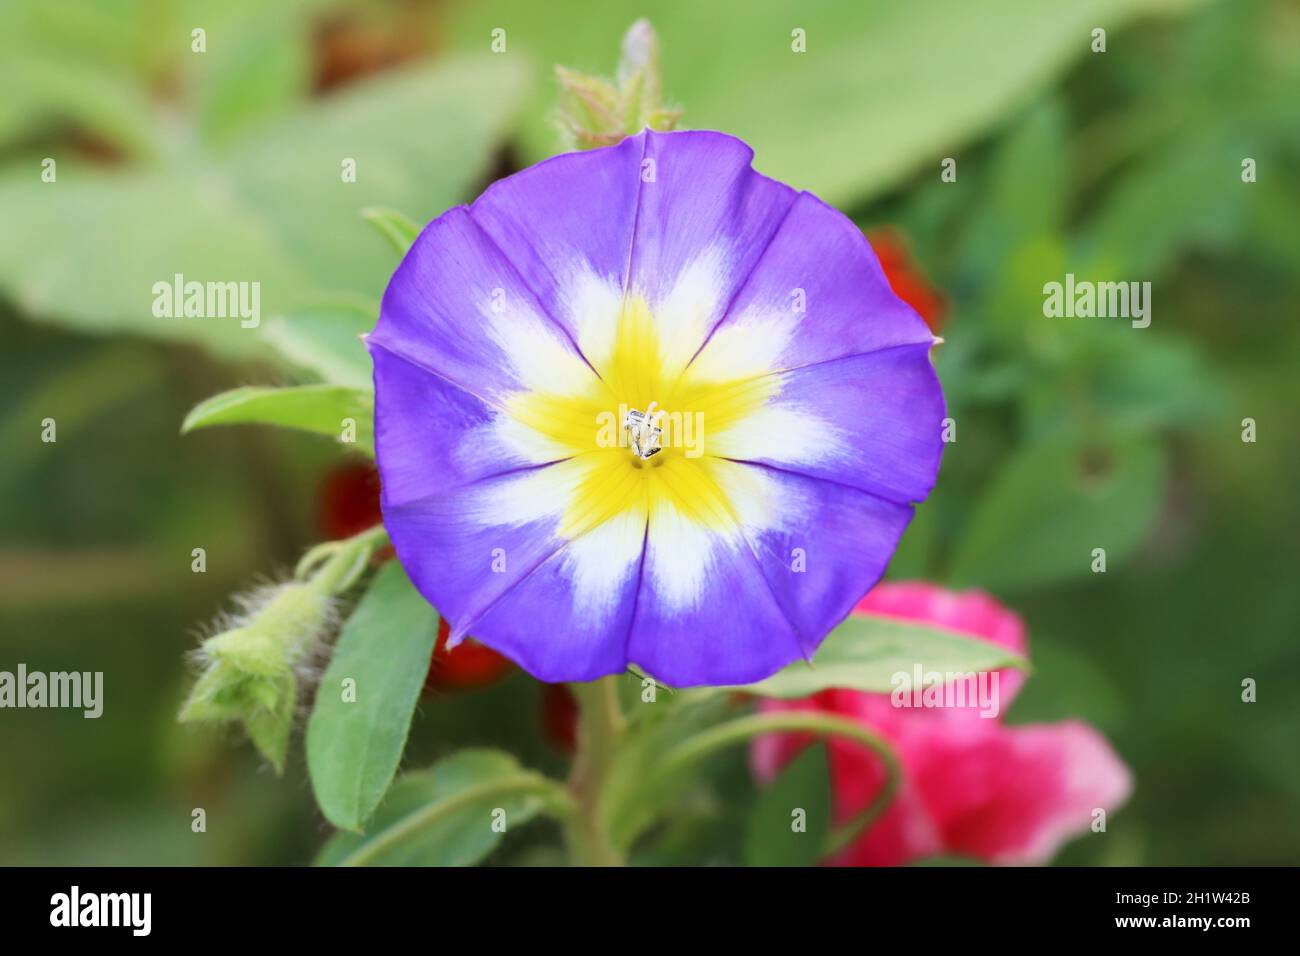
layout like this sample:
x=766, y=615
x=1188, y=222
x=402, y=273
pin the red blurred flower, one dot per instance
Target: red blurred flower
x=906, y=279
x=349, y=500
x=467, y=665
x=971, y=785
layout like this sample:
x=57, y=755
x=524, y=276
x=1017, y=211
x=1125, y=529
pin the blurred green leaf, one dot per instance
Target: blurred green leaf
x=1147, y=222
x=916, y=550
x=326, y=341
x=1068, y=684
x=1013, y=234
x=354, y=746
x=800, y=797
x=1134, y=381
x=257, y=65
x=321, y=409
x=103, y=68
x=276, y=210
x=1053, y=503
x=78, y=63
x=420, y=137
x=867, y=651
x=157, y=225
x=40, y=93
x=443, y=816
x=74, y=396
x=882, y=89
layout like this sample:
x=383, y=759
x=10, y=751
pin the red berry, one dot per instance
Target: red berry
x=467, y=665
x=349, y=500
x=557, y=713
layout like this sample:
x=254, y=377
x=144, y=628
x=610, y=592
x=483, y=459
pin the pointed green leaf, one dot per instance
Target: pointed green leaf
x=358, y=730
x=444, y=816
x=330, y=410
x=867, y=652
x=790, y=821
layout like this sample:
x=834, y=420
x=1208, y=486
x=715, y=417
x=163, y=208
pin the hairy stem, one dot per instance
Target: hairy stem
x=600, y=727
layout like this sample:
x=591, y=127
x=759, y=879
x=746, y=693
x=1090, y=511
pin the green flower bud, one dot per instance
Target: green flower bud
x=251, y=669
x=596, y=112
x=248, y=671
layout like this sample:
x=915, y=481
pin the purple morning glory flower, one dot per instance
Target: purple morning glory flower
x=642, y=405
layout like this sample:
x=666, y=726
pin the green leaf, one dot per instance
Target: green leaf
x=274, y=210
x=789, y=823
x=1053, y=503
x=321, y=409
x=355, y=741
x=76, y=394
x=257, y=66
x=883, y=89
x=101, y=66
x=867, y=652
x=1146, y=224
x=443, y=816
x=398, y=229
x=84, y=64
x=325, y=340
x=1069, y=682
x=38, y=90
x=1136, y=382
x=1021, y=208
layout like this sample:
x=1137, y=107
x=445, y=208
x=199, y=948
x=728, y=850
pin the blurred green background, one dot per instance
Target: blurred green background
x=1071, y=433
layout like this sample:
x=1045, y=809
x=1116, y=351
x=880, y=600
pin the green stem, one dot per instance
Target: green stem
x=428, y=815
x=335, y=565
x=600, y=728
x=745, y=728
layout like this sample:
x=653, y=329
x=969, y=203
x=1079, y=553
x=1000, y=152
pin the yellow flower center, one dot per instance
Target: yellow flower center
x=611, y=477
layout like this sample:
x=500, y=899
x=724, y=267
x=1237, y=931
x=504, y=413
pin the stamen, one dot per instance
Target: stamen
x=644, y=432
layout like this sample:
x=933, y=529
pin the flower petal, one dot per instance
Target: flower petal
x=1010, y=796
x=568, y=223
x=567, y=618
x=870, y=421
x=458, y=308
x=816, y=295
x=496, y=560
x=434, y=437
x=681, y=218
x=704, y=612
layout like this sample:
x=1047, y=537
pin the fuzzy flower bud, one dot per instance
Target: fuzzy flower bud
x=251, y=668
x=595, y=112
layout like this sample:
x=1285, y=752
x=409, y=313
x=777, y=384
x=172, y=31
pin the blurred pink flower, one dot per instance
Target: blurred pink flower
x=971, y=786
